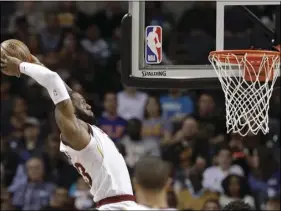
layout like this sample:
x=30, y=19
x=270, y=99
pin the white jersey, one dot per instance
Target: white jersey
x=102, y=167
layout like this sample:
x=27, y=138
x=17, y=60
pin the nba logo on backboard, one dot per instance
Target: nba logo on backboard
x=153, y=45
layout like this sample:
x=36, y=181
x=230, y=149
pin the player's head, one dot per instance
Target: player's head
x=154, y=29
x=237, y=205
x=151, y=175
x=82, y=108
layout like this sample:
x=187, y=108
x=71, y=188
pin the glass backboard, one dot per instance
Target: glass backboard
x=190, y=30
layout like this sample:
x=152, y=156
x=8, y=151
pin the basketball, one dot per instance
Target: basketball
x=16, y=49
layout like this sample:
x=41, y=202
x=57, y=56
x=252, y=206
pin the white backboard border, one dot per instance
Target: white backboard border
x=136, y=73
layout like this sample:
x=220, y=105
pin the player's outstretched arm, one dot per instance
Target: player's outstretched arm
x=74, y=131
x=34, y=60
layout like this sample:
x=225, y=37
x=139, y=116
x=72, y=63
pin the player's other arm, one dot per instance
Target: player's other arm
x=74, y=131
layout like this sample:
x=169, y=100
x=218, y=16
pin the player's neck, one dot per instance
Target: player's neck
x=152, y=199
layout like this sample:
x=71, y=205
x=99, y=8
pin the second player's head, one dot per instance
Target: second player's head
x=151, y=175
x=82, y=108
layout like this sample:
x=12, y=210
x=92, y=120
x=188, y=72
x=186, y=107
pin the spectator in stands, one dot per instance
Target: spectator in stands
x=193, y=195
x=57, y=168
x=136, y=146
x=211, y=204
x=69, y=51
x=6, y=103
x=156, y=14
x=153, y=125
x=31, y=139
x=204, y=25
x=212, y=123
x=108, y=18
x=182, y=144
x=214, y=175
x=9, y=162
x=112, y=124
x=80, y=192
x=15, y=124
x=235, y=188
x=115, y=44
x=34, y=17
x=34, y=193
x=34, y=46
x=59, y=201
x=22, y=29
x=264, y=178
x=131, y=103
x=188, y=132
x=273, y=203
x=50, y=36
x=70, y=17
x=6, y=202
x=19, y=113
x=239, y=151
x=176, y=105
x=95, y=44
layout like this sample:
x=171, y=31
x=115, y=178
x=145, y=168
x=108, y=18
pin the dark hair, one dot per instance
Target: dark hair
x=244, y=187
x=108, y=93
x=21, y=20
x=152, y=173
x=135, y=122
x=266, y=156
x=159, y=105
x=188, y=117
x=237, y=205
x=222, y=147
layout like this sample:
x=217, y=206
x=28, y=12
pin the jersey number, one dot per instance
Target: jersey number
x=84, y=174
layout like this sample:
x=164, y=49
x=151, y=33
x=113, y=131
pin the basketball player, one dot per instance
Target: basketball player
x=90, y=150
x=151, y=182
x=153, y=42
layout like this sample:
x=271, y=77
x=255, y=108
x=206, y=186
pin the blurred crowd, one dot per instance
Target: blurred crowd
x=185, y=127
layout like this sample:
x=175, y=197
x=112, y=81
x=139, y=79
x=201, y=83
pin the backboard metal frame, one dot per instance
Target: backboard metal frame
x=134, y=69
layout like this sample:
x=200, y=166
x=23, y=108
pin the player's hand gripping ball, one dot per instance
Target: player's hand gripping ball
x=16, y=48
x=10, y=65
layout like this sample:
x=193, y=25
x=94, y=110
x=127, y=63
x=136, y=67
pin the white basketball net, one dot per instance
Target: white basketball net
x=247, y=102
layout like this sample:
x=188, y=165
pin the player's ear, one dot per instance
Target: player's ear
x=168, y=184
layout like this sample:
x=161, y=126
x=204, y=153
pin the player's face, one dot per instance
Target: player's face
x=82, y=109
